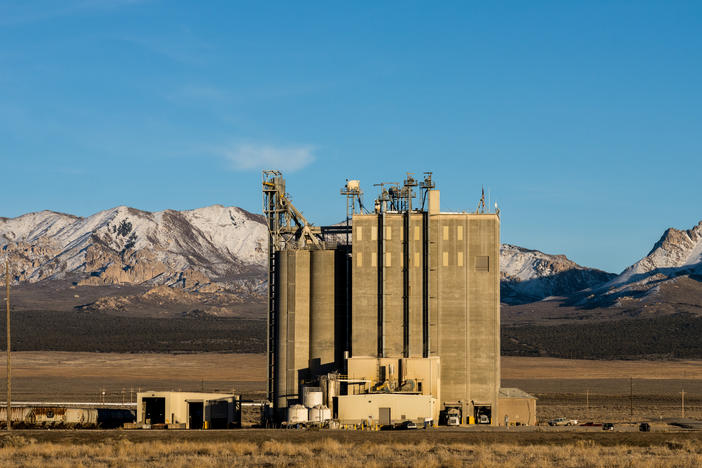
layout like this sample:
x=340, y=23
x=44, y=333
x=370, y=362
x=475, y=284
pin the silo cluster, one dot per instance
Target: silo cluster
x=394, y=314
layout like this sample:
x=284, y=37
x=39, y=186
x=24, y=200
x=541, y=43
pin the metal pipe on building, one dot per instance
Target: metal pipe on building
x=381, y=284
x=406, y=283
x=425, y=284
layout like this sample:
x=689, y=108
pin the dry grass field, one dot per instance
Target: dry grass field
x=173, y=451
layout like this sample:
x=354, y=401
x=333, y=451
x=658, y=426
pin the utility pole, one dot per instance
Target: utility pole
x=682, y=404
x=9, y=362
x=631, y=397
x=587, y=400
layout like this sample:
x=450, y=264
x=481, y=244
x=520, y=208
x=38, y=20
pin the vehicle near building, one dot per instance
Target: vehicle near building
x=406, y=425
x=563, y=422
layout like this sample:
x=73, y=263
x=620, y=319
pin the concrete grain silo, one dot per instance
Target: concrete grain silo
x=394, y=313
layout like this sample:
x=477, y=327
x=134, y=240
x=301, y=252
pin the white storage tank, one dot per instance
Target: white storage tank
x=312, y=399
x=297, y=414
x=319, y=414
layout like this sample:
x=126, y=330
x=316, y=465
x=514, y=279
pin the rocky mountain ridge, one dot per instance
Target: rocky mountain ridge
x=221, y=251
x=215, y=249
x=530, y=275
x=675, y=261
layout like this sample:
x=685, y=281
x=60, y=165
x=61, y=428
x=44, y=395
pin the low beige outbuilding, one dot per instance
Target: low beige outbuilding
x=386, y=408
x=516, y=407
x=189, y=410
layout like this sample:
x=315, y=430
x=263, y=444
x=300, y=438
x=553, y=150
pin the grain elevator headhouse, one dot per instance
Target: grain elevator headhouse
x=391, y=315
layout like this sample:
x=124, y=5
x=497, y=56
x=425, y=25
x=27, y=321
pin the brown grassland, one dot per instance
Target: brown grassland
x=23, y=450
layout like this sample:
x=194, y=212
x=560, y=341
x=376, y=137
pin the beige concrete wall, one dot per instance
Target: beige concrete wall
x=426, y=371
x=354, y=409
x=484, y=308
x=416, y=262
x=365, y=277
x=518, y=410
x=464, y=319
x=364, y=315
x=466, y=305
x=393, y=285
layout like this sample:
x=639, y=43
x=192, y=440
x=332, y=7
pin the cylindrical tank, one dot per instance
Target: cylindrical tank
x=45, y=415
x=319, y=414
x=84, y=416
x=331, y=391
x=281, y=334
x=322, y=329
x=313, y=399
x=297, y=414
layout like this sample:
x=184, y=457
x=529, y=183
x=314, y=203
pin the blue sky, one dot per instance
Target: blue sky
x=582, y=119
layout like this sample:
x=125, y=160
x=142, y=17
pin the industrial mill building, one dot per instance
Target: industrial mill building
x=393, y=315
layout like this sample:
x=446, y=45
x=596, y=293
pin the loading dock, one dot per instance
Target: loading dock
x=154, y=409
x=195, y=414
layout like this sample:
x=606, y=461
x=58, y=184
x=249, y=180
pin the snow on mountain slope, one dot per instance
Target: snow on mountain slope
x=676, y=251
x=219, y=248
x=676, y=255
x=211, y=247
x=531, y=275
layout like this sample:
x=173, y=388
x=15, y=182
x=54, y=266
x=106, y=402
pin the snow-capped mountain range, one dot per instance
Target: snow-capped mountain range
x=531, y=275
x=205, y=249
x=223, y=249
x=676, y=257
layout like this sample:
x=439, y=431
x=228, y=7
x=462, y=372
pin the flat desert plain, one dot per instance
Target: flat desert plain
x=582, y=389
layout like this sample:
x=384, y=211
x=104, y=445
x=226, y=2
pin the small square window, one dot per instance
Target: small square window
x=482, y=263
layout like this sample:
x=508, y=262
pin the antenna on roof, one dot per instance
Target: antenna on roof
x=481, y=204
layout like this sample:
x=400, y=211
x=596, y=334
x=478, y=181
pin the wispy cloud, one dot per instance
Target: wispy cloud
x=249, y=156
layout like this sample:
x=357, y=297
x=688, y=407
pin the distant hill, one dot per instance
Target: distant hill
x=667, y=280
x=213, y=257
x=210, y=263
x=128, y=260
x=530, y=275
